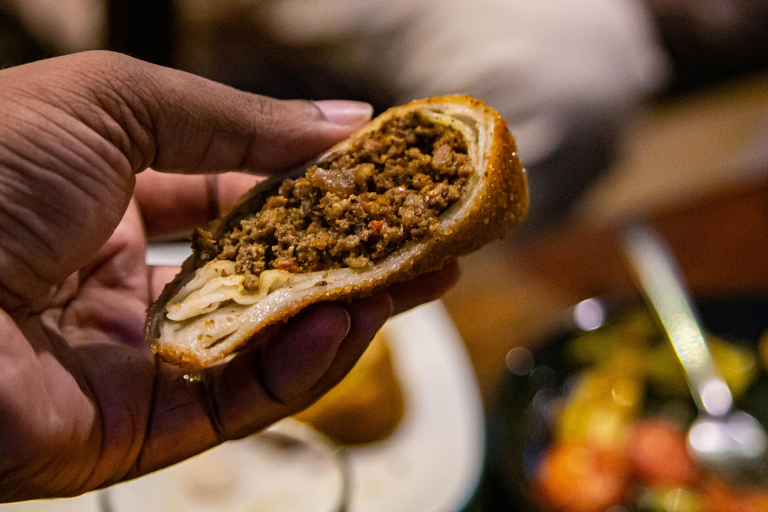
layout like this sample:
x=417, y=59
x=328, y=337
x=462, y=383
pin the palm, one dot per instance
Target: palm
x=84, y=377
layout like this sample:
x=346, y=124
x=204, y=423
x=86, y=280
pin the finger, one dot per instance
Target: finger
x=367, y=317
x=299, y=358
x=172, y=205
x=159, y=276
x=249, y=131
x=176, y=121
x=255, y=390
x=424, y=288
x=241, y=397
x=268, y=386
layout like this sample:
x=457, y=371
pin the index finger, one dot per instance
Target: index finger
x=174, y=204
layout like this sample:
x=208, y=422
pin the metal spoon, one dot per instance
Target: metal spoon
x=722, y=438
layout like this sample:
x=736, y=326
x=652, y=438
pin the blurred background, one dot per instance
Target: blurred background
x=622, y=109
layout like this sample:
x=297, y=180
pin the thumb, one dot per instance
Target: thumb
x=76, y=129
x=241, y=131
x=175, y=121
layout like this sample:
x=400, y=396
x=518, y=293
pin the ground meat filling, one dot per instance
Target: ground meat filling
x=354, y=209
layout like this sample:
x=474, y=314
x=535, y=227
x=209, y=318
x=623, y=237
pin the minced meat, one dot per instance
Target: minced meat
x=354, y=209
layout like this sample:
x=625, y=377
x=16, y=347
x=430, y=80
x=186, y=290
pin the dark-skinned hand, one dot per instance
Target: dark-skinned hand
x=83, y=401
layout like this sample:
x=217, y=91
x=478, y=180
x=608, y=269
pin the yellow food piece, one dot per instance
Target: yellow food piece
x=600, y=409
x=672, y=500
x=738, y=364
x=664, y=372
x=636, y=341
x=633, y=331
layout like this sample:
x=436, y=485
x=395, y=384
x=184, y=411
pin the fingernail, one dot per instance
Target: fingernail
x=343, y=112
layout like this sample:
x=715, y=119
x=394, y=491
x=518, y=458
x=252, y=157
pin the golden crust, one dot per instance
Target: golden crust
x=499, y=204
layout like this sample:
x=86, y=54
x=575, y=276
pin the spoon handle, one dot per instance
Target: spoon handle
x=659, y=278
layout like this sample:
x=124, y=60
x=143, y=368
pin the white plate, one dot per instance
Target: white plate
x=171, y=253
x=434, y=459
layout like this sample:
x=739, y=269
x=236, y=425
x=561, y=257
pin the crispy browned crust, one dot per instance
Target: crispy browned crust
x=502, y=204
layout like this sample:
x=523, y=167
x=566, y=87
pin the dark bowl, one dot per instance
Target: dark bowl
x=518, y=431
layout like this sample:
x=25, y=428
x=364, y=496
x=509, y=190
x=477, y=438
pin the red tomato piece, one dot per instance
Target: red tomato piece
x=580, y=478
x=288, y=267
x=659, y=455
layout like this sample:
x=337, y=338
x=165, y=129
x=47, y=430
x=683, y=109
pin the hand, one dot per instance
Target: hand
x=84, y=402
